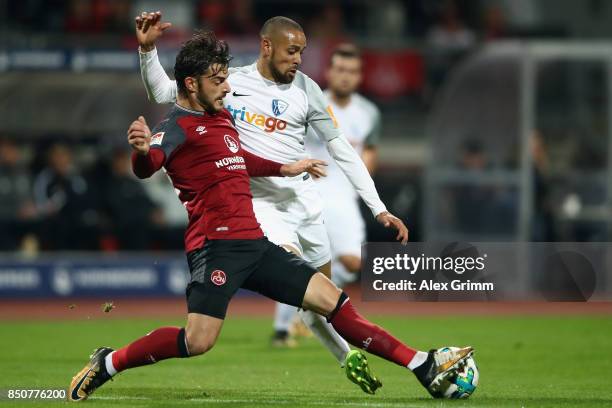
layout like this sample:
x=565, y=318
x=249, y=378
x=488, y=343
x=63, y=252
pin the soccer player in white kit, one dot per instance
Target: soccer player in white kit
x=359, y=121
x=273, y=105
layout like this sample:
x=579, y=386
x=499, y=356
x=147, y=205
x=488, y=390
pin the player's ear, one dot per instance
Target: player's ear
x=191, y=84
x=266, y=46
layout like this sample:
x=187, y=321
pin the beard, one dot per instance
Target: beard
x=279, y=76
x=209, y=104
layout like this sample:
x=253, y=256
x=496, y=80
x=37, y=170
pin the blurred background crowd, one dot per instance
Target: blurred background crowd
x=465, y=152
x=460, y=22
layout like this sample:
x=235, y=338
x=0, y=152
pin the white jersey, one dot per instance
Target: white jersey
x=359, y=121
x=272, y=120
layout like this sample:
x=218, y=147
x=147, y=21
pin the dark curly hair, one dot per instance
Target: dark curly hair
x=202, y=51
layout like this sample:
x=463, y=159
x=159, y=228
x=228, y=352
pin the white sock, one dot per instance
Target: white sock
x=283, y=315
x=326, y=334
x=108, y=361
x=418, y=359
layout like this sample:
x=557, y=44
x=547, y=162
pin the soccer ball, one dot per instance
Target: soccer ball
x=464, y=383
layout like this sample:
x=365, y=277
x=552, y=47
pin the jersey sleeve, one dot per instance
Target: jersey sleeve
x=260, y=167
x=158, y=84
x=167, y=137
x=321, y=118
x=145, y=166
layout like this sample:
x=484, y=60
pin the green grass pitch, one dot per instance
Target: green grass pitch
x=523, y=362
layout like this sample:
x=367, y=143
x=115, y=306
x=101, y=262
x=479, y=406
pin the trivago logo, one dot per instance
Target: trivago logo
x=267, y=123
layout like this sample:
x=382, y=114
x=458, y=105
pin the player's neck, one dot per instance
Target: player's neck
x=340, y=100
x=264, y=70
x=190, y=104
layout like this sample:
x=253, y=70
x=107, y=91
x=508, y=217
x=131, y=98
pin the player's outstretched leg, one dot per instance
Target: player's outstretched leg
x=166, y=342
x=430, y=368
x=160, y=344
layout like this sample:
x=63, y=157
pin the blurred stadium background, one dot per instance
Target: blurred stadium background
x=496, y=127
x=496, y=117
x=495, y=114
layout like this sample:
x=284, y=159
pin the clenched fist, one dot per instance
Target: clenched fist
x=139, y=136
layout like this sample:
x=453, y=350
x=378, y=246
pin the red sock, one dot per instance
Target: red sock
x=361, y=333
x=160, y=344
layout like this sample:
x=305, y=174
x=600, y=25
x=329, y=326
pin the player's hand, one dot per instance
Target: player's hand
x=391, y=221
x=139, y=136
x=314, y=167
x=149, y=28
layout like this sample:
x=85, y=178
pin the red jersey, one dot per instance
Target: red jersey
x=210, y=171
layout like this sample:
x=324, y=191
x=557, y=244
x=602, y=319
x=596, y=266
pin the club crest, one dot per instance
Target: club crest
x=279, y=107
x=232, y=144
x=218, y=277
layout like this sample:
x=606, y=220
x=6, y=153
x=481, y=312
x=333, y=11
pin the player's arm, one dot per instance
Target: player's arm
x=145, y=161
x=320, y=117
x=158, y=84
x=260, y=167
x=152, y=150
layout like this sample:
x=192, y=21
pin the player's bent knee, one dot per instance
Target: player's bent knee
x=199, y=343
x=201, y=333
x=329, y=302
x=321, y=295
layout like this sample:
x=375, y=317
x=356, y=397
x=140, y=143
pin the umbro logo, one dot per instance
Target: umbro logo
x=238, y=94
x=201, y=130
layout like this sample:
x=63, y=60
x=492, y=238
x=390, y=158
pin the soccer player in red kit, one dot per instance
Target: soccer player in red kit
x=199, y=148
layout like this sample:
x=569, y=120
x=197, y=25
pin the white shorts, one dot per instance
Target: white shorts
x=345, y=226
x=296, y=219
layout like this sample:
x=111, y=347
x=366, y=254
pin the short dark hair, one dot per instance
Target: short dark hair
x=345, y=50
x=277, y=23
x=198, y=54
